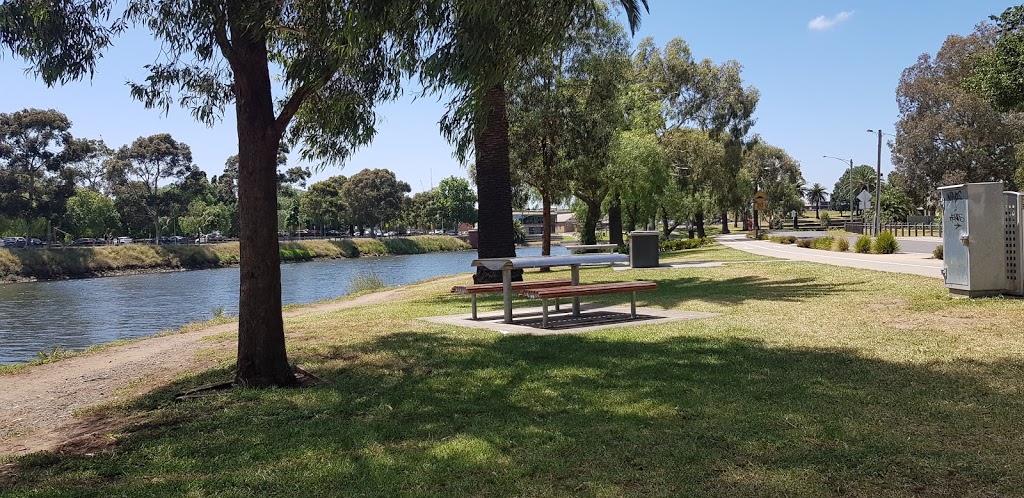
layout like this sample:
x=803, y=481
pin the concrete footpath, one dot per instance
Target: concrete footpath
x=904, y=262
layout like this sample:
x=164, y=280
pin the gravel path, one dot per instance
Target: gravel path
x=41, y=406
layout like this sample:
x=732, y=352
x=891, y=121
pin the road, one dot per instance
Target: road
x=915, y=263
x=922, y=245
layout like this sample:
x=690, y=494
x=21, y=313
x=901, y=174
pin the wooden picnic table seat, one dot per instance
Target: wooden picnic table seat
x=589, y=290
x=516, y=286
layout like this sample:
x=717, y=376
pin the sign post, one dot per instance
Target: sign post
x=760, y=200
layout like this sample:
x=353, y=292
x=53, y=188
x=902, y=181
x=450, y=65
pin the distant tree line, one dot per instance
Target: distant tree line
x=53, y=185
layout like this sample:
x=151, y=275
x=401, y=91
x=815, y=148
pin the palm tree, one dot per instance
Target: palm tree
x=816, y=195
x=478, y=54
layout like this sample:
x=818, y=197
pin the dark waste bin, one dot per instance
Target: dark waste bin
x=643, y=249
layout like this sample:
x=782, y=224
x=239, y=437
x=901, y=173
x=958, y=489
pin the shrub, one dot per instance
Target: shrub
x=788, y=239
x=841, y=244
x=680, y=244
x=805, y=243
x=823, y=243
x=863, y=244
x=937, y=252
x=366, y=282
x=886, y=243
x=825, y=219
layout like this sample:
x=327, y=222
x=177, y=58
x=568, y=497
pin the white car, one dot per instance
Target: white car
x=124, y=240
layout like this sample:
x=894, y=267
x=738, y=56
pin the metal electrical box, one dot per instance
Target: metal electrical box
x=1013, y=203
x=973, y=238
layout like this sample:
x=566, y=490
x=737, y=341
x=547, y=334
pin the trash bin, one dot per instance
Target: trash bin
x=643, y=249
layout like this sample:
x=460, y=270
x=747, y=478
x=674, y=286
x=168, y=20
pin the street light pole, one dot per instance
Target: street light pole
x=849, y=180
x=878, y=185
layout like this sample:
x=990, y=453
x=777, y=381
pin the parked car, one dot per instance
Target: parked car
x=84, y=241
x=211, y=237
x=123, y=240
x=34, y=242
x=177, y=239
x=15, y=242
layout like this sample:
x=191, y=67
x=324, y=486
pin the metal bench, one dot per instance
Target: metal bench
x=516, y=286
x=576, y=291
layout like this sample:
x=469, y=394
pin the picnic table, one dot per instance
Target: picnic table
x=506, y=265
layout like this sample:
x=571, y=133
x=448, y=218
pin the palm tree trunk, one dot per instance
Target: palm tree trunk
x=494, y=185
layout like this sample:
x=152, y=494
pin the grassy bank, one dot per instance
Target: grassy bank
x=814, y=381
x=75, y=262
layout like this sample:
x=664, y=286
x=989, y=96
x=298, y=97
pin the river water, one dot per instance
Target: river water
x=76, y=314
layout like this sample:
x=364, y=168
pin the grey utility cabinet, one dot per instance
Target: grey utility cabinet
x=973, y=238
x=644, y=249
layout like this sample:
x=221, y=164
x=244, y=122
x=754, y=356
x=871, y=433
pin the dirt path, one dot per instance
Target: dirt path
x=39, y=405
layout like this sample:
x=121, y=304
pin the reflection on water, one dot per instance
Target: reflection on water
x=76, y=314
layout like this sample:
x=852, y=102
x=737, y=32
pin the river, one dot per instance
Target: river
x=77, y=314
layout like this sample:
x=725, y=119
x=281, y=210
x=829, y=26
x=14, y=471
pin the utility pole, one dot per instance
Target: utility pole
x=878, y=185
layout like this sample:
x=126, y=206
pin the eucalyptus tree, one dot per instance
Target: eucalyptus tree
x=455, y=202
x=546, y=100
x=325, y=203
x=138, y=169
x=948, y=132
x=537, y=125
x=335, y=58
x=374, y=197
x=778, y=175
x=596, y=79
x=640, y=175
x=91, y=168
x=706, y=96
x=90, y=214
x=479, y=47
x=36, y=150
x=696, y=159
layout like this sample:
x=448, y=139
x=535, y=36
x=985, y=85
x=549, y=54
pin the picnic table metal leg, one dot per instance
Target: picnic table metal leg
x=474, y=306
x=575, y=281
x=544, y=316
x=506, y=286
x=632, y=304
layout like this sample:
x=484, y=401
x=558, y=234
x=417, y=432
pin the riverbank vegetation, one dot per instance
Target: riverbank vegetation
x=77, y=262
x=769, y=398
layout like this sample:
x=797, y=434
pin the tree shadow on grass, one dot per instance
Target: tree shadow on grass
x=738, y=290
x=426, y=414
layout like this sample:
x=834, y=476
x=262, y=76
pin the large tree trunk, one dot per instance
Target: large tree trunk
x=494, y=186
x=262, y=359
x=590, y=222
x=698, y=220
x=725, y=221
x=615, y=220
x=549, y=228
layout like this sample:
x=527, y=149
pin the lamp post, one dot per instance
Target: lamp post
x=850, y=181
x=878, y=185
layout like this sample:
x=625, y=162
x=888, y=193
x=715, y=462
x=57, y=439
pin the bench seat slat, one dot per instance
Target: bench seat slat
x=516, y=286
x=590, y=289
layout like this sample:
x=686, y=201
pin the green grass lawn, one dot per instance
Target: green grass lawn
x=815, y=380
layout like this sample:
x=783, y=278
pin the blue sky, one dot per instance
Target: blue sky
x=827, y=71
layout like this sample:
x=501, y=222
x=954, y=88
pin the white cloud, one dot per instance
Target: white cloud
x=822, y=23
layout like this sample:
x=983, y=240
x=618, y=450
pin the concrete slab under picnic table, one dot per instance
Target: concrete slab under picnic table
x=592, y=317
